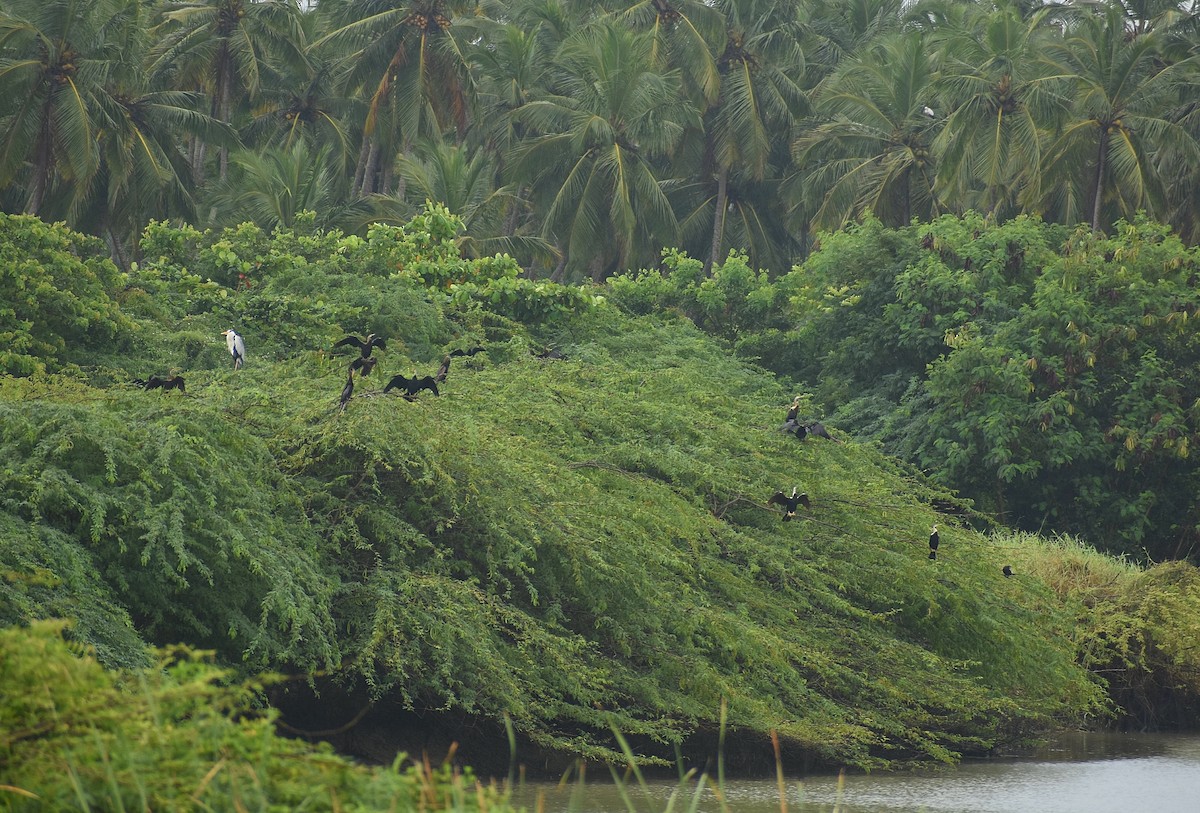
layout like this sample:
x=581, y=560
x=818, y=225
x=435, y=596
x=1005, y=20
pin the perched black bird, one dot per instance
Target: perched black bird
x=155, y=382
x=470, y=352
x=412, y=385
x=365, y=346
x=347, y=391
x=794, y=409
x=789, y=503
x=443, y=371
x=1007, y=571
x=934, y=539
x=817, y=429
x=802, y=430
x=794, y=427
x=550, y=354
x=363, y=365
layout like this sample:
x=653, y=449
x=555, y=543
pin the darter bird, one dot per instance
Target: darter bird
x=412, y=386
x=365, y=346
x=154, y=382
x=789, y=503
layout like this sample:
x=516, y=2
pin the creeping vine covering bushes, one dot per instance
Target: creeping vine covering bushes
x=574, y=543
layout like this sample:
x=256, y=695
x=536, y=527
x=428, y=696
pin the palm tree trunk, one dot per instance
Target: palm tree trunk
x=560, y=270
x=1101, y=167
x=41, y=168
x=718, y=233
x=368, y=181
x=360, y=167
x=224, y=102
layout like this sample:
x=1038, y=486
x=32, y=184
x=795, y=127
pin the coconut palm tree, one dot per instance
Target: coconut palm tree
x=57, y=59
x=410, y=59
x=761, y=66
x=223, y=48
x=868, y=148
x=999, y=101
x=1120, y=145
x=83, y=135
x=270, y=188
x=591, y=156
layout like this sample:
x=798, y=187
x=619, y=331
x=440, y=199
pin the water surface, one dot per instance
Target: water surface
x=1077, y=773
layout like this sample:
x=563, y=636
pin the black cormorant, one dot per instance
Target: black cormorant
x=934, y=539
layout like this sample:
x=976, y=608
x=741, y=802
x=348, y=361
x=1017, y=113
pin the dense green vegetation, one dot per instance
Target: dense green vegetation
x=75, y=736
x=1047, y=374
x=574, y=544
x=585, y=136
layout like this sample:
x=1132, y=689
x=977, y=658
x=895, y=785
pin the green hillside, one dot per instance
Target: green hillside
x=576, y=544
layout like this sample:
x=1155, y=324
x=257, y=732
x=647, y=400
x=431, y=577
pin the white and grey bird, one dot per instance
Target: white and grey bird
x=237, y=347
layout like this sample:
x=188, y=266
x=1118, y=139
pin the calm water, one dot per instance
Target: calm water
x=1092, y=773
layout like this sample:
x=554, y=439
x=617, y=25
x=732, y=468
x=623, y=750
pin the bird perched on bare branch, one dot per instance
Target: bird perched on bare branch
x=789, y=503
x=154, y=382
x=365, y=346
x=237, y=347
x=412, y=386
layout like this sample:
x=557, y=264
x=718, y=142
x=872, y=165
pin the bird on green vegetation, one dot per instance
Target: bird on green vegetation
x=237, y=347
x=347, y=391
x=155, y=382
x=412, y=386
x=364, y=366
x=468, y=352
x=934, y=541
x=365, y=346
x=443, y=371
x=1007, y=571
x=789, y=503
x=794, y=409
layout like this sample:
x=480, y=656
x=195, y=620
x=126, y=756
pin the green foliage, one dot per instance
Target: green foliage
x=1047, y=376
x=74, y=736
x=56, y=295
x=572, y=544
x=734, y=300
x=179, y=512
x=1134, y=627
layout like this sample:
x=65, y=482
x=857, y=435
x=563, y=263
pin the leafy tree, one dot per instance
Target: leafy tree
x=1045, y=375
x=870, y=147
x=591, y=157
x=1001, y=100
x=1113, y=156
x=58, y=293
x=223, y=47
